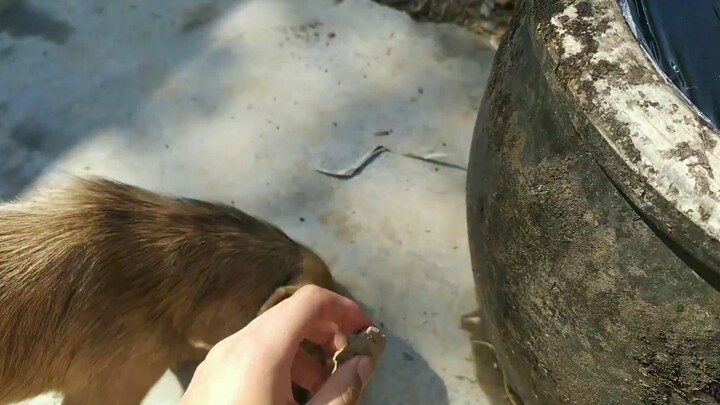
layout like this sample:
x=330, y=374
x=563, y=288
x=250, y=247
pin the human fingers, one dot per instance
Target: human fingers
x=345, y=386
x=315, y=314
x=307, y=372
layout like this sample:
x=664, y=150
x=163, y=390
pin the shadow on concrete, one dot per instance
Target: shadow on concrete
x=20, y=19
x=38, y=126
x=184, y=373
x=402, y=375
x=401, y=371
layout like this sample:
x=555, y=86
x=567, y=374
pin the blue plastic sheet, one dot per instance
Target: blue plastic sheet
x=683, y=38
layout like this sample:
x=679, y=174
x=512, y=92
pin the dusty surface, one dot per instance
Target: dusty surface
x=585, y=300
x=240, y=101
x=652, y=140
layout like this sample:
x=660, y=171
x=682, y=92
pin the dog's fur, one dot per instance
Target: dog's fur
x=104, y=286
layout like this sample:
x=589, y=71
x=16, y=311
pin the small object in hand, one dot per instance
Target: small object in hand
x=371, y=342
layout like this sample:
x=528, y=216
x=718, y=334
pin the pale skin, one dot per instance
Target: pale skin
x=258, y=364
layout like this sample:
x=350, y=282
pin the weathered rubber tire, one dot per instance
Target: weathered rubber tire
x=594, y=284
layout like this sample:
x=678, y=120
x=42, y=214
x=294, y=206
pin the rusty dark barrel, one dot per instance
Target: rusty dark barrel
x=594, y=217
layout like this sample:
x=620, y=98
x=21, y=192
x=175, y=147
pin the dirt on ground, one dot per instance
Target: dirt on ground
x=488, y=18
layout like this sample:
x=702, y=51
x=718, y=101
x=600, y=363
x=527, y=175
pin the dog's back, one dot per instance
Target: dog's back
x=99, y=274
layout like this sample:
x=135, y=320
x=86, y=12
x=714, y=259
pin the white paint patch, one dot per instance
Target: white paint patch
x=571, y=46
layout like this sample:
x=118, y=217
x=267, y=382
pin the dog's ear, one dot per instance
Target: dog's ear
x=279, y=295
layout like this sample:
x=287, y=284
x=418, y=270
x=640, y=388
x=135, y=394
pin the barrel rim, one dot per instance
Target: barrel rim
x=657, y=147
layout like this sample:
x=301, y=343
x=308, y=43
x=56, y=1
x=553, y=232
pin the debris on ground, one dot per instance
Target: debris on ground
x=352, y=170
x=435, y=158
x=488, y=18
x=357, y=167
x=371, y=342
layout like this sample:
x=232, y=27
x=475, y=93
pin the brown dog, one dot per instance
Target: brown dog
x=104, y=286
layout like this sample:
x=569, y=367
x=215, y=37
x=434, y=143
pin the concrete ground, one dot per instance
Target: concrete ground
x=240, y=101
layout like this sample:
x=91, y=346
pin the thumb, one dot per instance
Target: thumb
x=346, y=384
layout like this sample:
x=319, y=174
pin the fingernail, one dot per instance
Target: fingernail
x=365, y=369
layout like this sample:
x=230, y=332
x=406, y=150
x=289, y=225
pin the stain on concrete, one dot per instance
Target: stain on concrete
x=21, y=20
x=12, y=183
x=4, y=108
x=6, y=52
x=197, y=16
x=30, y=135
x=16, y=167
x=308, y=32
x=342, y=225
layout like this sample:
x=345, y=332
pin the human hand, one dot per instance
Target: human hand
x=258, y=364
